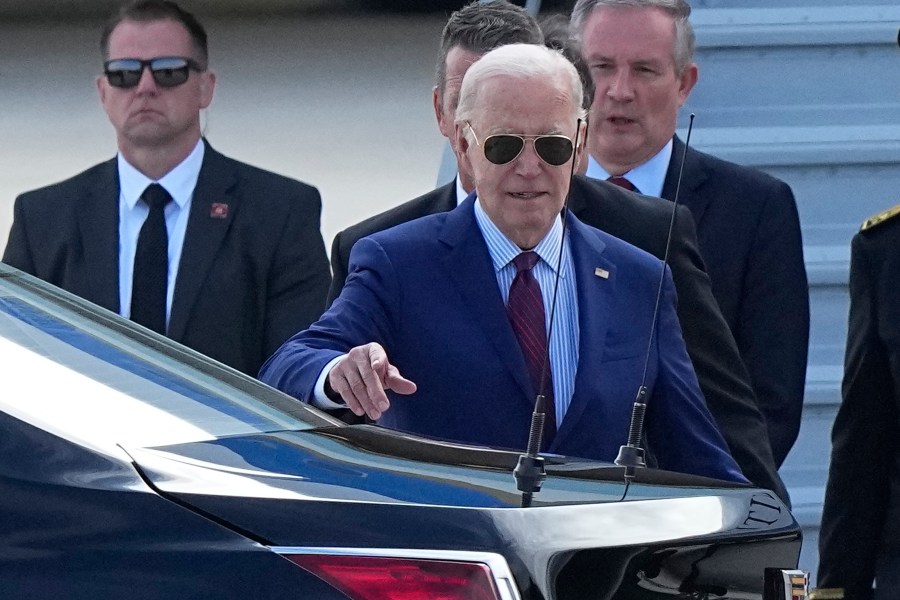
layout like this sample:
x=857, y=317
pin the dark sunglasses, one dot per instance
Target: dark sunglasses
x=167, y=71
x=504, y=148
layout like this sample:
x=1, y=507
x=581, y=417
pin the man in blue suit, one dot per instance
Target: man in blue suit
x=441, y=330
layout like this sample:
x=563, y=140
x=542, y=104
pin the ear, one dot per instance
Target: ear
x=207, y=87
x=460, y=146
x=446, y=129
x=581, y=162
x=101, y=88
x=686, y=83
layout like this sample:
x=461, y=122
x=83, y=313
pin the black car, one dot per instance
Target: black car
x=132, y=467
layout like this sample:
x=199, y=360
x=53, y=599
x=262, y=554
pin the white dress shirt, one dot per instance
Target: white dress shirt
x=648, y=177
x=180, y=183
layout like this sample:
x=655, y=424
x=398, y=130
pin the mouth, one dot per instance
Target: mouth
x=526, y=195
x=619, y=121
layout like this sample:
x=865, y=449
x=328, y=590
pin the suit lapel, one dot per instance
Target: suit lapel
x=213, y=209
x=595, y=296
x=98, y=222
x=468, y=265
x=692, y=179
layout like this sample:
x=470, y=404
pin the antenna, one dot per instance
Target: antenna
x=631, y=455
x=529, y=471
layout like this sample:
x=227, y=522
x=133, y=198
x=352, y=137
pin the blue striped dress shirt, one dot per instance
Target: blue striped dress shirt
x=563, y=346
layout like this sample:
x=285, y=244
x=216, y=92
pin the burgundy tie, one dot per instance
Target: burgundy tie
x=526, y=314
x=622, y=182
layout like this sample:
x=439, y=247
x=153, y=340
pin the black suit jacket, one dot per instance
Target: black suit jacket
x=860, y=537
x=643, y=222
x=749, y=234
x=442, y=199
x=246, y=282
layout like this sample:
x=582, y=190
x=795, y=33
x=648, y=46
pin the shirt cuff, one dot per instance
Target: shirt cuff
x=320, y=398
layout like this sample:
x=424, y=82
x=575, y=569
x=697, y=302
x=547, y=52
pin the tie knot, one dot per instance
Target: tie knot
x=622, y=182
x=156, y=196
x=526, y=261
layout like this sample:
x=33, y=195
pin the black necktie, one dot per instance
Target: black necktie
x=151, y=263
x=526, y=314
x=623, y=182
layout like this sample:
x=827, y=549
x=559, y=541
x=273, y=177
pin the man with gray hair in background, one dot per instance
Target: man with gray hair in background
x=640, y=55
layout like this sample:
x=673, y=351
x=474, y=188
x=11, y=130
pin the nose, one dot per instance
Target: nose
x=528, y=163
x=620, y=87
x=146, y=84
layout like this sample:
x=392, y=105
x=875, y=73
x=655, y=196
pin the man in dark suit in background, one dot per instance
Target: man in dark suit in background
x=218, y=255
x=488, y=305
x=638, y=220
x=639, y=53
x=470, y=32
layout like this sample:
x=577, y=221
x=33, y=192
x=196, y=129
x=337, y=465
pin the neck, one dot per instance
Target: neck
x=156, y=161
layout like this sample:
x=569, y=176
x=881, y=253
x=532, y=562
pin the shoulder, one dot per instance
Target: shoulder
x=266, y=186
x=70, y=189
x=615, y=248
x=425, y=205
x=748, y=180
x=884, y=220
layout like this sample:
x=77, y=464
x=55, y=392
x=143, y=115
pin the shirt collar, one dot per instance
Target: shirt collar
x=503, y=250
x=179, y=182
x=647, y=177
x=461, y=193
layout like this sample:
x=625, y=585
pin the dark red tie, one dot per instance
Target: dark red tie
x=622, y=182
x=151, y=263
x=526, y=314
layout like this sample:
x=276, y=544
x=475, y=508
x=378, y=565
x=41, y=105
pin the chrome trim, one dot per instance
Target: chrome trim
x=503, y=577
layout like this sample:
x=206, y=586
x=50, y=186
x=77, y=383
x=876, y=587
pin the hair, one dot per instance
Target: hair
x=679, y=10
x=145, y=11
x=555, y=28
x=479, y=27
x=524, y=61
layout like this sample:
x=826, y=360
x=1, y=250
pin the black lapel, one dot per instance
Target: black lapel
x=691, y=181
x=213, y=209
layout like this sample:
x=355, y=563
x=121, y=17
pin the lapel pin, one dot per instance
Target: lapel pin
x=601, y=273
x=219, y=210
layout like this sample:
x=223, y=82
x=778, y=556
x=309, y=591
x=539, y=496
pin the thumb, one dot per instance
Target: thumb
x=396, y=382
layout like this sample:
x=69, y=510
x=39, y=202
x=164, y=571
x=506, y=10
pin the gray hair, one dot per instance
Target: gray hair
x=479, y=27
x=521, y=61
x=679, y=10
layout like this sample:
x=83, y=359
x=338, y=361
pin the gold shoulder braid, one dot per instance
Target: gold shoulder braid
x=827, y=594
x=880, y=218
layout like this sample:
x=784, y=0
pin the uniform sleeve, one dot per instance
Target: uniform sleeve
x=864, y=439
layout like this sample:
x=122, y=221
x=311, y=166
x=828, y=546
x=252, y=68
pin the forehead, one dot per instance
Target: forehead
x=457, y=63
x=629, y=33
x=531, y=105
x=149, y=39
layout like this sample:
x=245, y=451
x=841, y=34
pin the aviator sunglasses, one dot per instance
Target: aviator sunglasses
x=167, y=71
x=503, y=148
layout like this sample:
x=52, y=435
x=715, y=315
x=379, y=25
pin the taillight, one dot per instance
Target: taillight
x=388, y=578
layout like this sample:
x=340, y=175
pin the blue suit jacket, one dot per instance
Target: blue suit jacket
x=426, y=291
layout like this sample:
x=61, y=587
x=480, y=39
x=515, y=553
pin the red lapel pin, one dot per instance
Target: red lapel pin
x=219, y=210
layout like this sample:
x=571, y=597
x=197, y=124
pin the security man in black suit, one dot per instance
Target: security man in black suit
x=218, y=255
x=641, y=221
